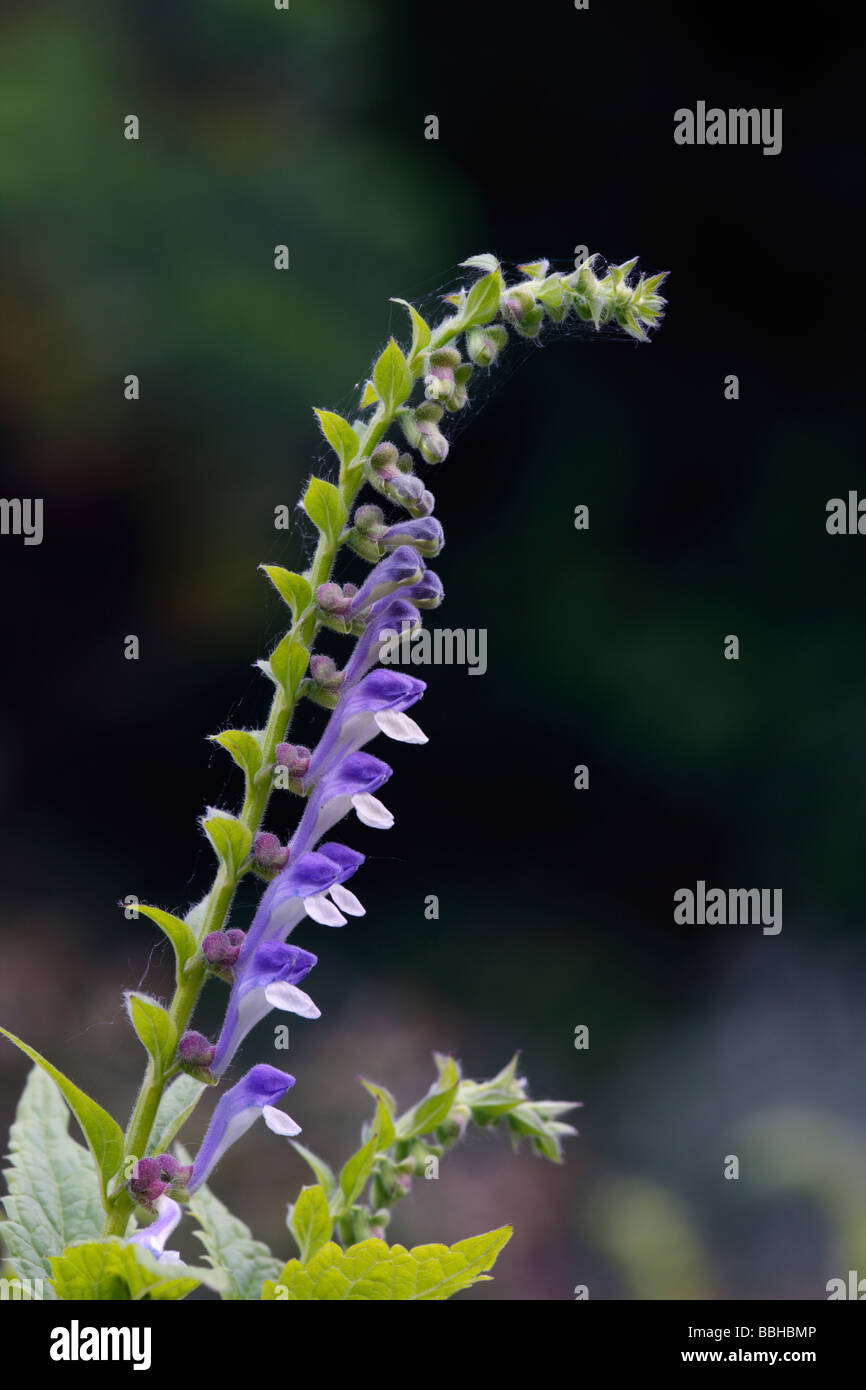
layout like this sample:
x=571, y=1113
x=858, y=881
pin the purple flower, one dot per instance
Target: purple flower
x=346, y=786
x=427, y=593
x=375, y=705
x=154, y=1236
x=285, y=901
x=268, y=982
x=388, y=615
x=256, y=1094
x=424, y=535
x=403, y=567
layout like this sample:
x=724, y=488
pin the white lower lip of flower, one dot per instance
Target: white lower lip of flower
x=371, y=812
x=322, y=910
x=400, y=727
x=279, y=1121
x=291, y=999
x=347, y=901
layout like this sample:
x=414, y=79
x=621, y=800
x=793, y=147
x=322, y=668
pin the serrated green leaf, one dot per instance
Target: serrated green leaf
x=231, y=840
x=311, y=1221
x=356, y=1171
x=245, y=1262
x=482, y=301
x=325, y=1175
x=420, y=329
x=54, y=1197
x=178, y=1102
x=103, y=1134
x=113, y=1269
x=155, y=1028
x=340, y=435
x=292, y=588
x=179, y=933
x=392, y=378
x=243, y=747
x=326, y=508
x=373, y=1271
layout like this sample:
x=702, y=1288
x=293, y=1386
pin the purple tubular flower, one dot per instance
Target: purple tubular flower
x=154, y=1236
x=388, y=615
x=268, y=982
x=424, y=535
x=349, y=784
x=256, y=1094
x=375, y=705
x=282, y=904
x=427, y=593
x=403, y=567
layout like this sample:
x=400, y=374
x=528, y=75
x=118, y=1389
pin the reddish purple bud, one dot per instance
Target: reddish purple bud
x=194, y=1049
x=236, y=936
x=370, y=521
x=332, y=600
x=173, y=1172
x=219, y=950
x=146, y=1183
x=323, y=670
x=270, y=854
x=294, y=757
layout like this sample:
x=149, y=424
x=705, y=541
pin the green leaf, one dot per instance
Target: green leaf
x=356, y=1170
x=178, y=932
x=340, y=435
x=53, y=1184
x=373, y=1271
x=293, y=588
x=392, y=377
x=243, y=747
x=288, y=664
x=434, y=1108
x=482, y=301
x=325, y=1176
x=369, y=397
x=380, y=1093
x=484, y=262
x=103, y=1134
x=311, y=1221
x=230, y=838
x=420, y=329
x=177, y=1104
x=113, y=1269
x=326, y=508
x=155, y=1027
x=245, y=1263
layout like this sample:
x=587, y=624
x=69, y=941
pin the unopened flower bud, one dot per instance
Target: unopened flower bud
x=194, y=1050
x=269, y=853
x=146, y=1183
x=421, y=428
x=383, y=459
x=295, y=758
x=221, y=949
x=523, y=312
x=331, y=600
x=176, y=1174
x=369, y=520
x=485, y=344
x=324, y=673
x=424, y=535
x=439, y=379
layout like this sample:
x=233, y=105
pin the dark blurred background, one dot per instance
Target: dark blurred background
x=707, y=517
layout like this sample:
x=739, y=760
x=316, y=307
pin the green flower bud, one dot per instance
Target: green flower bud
x=485, y=344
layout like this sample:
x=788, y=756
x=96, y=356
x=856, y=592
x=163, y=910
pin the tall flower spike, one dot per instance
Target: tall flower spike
x=255, y=1095
x=347, y=786
x=375, y=705
x=269, y=981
